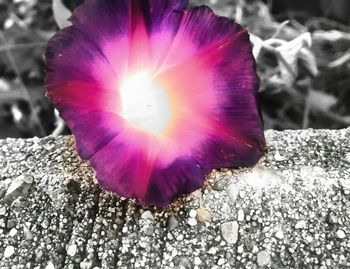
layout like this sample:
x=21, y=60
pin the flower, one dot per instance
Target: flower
x=156, y=95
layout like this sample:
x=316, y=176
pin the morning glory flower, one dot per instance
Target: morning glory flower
x=156, y=95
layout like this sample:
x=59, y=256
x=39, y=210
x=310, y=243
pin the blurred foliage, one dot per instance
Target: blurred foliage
x=25, y=27
x=303, y=62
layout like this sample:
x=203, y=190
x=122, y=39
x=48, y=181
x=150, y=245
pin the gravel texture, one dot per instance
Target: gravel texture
x=290, y=211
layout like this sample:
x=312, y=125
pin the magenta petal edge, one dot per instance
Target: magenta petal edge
x=156, y=95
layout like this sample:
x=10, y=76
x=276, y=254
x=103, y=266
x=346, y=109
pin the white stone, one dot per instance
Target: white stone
x=300, y=225
x=255, y=249
x=193, y=213
x=72, y=250
x=347, y=157
x=192, y=222
x=221, y=261
x=225, y=208
x=147, y=215
x=263, y=258
x=12, y=232
x=9, y=251
x=309, y=238
x=262, y=177
x=278, y=157
x=197, y=261
x=341, y=234
x=45, y=224
x=240, y=215
x=85, y=265
x=279, y=234
x=229, y=231
x=212, y=251
x=50, y=265
x=2, y=211
x=2, y=223
x=232, y=192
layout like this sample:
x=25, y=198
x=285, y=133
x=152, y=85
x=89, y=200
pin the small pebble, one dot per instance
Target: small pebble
x=72, y=250
x=197, y=261
x=148, y=229
x=221, y=261
x=50, y=265
x=203, y=215
x=45, y=224
x=9, y=251
x=278, y=157
x=212, y=250
x=12, y=232
x=19, y=187
x=279, y=234
x=300, y=225
x=172, y=223
x=232, y=192
x=147, y=215
x=240, y=215
x=341, y=234
x=229, y=231
x=27, y=233
x=309, y=238
x=220, y=184
x=347, y=157
x=85, y=265
x=193, y=213
x=192, y=222
x=2, y=211
x=263, y=258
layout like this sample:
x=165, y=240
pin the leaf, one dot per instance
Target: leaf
x=257, y=45
x=61, y=14
x=330, y=36
x=309, y=61
x=25, y=47
x=321, y=100
x=289, y=53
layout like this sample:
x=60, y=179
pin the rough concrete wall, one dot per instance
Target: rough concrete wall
x=292, y=210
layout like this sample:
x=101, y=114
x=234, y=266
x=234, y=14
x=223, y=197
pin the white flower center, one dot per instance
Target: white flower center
x=144, y=103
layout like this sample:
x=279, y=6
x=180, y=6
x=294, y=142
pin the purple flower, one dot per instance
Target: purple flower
x=156, y=95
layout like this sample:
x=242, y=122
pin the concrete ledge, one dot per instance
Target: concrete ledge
x=290, y=211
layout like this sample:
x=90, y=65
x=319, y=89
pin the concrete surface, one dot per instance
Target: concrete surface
x=290, y=211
